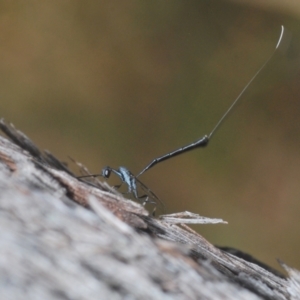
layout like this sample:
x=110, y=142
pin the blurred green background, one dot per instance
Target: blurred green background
x=122, y=82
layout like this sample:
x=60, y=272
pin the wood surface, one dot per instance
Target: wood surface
x=65, y=238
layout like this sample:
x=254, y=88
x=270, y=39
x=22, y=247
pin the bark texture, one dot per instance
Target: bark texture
x=62, y=238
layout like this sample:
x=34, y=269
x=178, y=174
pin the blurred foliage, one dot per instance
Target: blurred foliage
x=121, y=82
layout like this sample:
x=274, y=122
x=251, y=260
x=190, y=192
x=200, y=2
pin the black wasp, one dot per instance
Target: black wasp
x=133, y=182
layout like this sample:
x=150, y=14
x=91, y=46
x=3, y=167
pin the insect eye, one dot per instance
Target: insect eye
x=106, y=172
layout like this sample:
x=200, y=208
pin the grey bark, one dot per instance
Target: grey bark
x=62, y=238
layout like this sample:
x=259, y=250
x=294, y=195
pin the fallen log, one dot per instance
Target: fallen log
x=65, y=238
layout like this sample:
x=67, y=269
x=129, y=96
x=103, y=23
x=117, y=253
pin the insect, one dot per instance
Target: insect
x=131, y=181
x=203, y=141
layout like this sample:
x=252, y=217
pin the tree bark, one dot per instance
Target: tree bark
x=64, y=238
